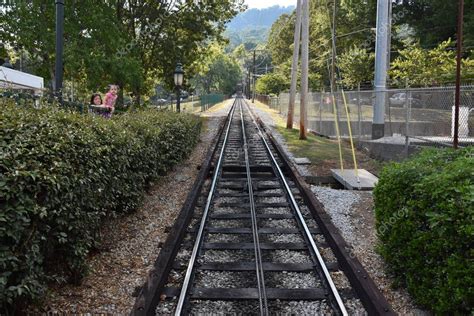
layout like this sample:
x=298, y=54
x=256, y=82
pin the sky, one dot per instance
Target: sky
x=259, y=4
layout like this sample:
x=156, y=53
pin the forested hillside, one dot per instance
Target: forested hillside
x=257, y=17
x=251, y=27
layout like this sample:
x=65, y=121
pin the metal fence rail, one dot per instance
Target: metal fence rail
x=422, y=114
x=209, y=100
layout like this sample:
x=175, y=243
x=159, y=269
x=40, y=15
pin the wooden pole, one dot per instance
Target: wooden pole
x=253, y=76
x=304, y=68
x=333, y=61
x=458, y=73
x=294, y=66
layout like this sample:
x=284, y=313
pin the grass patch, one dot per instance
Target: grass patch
x=216, y=107
x=315, y=148
x=322, y=152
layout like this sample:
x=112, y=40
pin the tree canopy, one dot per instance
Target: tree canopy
x=132, y=43
x=420, y=30
x=272, y=83
x=416, y=66
x=219, y=72
x=435, y=21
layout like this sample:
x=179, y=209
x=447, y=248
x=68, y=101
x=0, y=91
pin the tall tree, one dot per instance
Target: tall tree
x=281, y=38
x=356, y=66
x=272, y=83
x=134, y=43
x=219, y=72
x=427, y=67
x=354, y=20
x=435, y=20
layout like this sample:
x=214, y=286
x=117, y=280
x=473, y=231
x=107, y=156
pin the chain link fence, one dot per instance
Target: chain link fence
x=419, y=114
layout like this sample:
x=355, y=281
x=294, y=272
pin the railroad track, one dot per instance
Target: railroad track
x=251, y=239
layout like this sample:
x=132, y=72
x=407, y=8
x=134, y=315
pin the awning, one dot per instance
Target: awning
x=14, y=79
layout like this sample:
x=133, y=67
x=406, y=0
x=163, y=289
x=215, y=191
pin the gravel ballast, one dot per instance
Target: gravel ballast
x=356, y=221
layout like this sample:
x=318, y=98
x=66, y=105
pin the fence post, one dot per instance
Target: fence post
x=407, y=119
x=321, y=111
x=359, y=111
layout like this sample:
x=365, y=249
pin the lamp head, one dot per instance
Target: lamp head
x=178, y=75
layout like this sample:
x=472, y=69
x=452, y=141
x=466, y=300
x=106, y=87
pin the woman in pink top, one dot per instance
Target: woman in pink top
x=110, y=98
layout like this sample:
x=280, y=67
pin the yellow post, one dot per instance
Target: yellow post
x=350, y=134
x=337, y=131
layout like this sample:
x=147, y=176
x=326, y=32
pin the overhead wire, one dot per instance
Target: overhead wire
x=335, y=78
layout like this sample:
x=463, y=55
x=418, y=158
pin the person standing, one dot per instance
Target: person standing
x=110, y=99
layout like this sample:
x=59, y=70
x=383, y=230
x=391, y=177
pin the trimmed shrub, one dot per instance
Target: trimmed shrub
x=62, y=173
x=425, y=223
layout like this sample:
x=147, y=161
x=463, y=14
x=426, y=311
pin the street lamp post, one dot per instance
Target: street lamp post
x=178, y=81
x=58, y=74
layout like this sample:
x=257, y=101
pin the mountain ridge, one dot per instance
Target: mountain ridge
x=253, y=26
x=258, y=17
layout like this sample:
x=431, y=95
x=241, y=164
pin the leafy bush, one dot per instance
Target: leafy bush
x=425, y=222
x=62, y=173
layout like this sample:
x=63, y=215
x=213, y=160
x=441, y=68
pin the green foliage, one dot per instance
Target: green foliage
x=280, y=39
x=248, y=37
x=425, y=222
x=132, y=43
x=357, y=66
x=272, y=83
x=420, y=67
x=435, y=20
x=219, y=73
x=355, y=17
x=3, y=52
x=62, y=173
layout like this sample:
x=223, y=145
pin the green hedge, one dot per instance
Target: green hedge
x=425, y=223
x=62, y=173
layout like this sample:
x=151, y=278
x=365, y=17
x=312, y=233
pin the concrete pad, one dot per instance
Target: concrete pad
x=348, y=179
x=302, y=161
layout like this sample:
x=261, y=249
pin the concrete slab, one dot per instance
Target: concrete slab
x=348, y=179
x=302, y=161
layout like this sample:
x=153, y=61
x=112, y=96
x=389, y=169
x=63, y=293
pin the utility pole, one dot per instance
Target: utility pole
x=333, y=50
x=294, y=66
x=304, y=68
x=381, y=66
x=333, y=63
x=253, y=76
x=58, y=75
x=458, y=73
x=249, y=87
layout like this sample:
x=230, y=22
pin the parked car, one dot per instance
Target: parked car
x=161, y=101
x=364, y=100
x=400, y=100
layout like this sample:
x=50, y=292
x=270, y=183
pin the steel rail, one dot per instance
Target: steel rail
x=262, y=295
x=197, y=244
x=327, y=275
